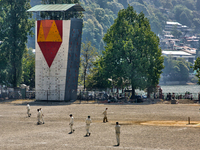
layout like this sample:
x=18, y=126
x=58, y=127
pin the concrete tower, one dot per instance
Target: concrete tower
x=58, y=44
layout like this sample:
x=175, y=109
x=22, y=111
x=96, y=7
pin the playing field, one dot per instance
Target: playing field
x=143, y=126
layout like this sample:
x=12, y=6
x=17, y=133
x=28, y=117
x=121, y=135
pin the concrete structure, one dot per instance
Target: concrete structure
x=180, y=54
x=58, y=44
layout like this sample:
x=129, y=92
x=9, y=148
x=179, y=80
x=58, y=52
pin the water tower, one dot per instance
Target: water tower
x=57, y=42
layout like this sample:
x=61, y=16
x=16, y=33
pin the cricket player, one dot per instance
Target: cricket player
x=71, y=123
x=42, y=115
x=105, y=116
x=117, y=131
x=88, y=122
x=28, y=110
x=39, y=116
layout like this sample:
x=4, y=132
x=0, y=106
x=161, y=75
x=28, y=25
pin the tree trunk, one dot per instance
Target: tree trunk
x=133, y=92
x=84, y=78
x=148, y=92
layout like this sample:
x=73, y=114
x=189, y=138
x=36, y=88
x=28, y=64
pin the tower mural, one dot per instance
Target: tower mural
x=58, y=44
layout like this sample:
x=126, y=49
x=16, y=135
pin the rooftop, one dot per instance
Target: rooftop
x=173, y=23
x=176, y=53
x=56, y=7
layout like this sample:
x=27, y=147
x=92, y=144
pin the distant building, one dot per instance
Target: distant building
x=170, y=26
x=180, y=54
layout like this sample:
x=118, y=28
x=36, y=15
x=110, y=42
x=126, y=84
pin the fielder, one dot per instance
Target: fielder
x=39, y=116
x=105, y=116
x=71, y=123
x=88, y=122
x=117, y=131
x=28, y=110
x=42, y=115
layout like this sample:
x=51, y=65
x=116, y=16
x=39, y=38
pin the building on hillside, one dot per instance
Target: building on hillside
x=180, y=54
x=169, y=43
x=192, y=41
x=170, y=26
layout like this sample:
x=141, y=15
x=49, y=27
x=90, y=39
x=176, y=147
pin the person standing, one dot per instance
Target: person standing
x=28, y=110
x=39, y=116
x=105, y=119
x=71, y=123
x=88, y=122
x=42, y=115
x=117, y=131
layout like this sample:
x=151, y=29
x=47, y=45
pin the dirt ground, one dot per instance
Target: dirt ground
x=147, y=126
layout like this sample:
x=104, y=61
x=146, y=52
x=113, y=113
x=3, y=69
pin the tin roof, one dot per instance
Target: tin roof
x=56, y=7
x=176, y=53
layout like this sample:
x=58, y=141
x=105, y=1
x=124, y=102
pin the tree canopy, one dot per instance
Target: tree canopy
x=176, y=70
x=197, y=68
x=88, y=56
x=15, y=26
x=132, y=55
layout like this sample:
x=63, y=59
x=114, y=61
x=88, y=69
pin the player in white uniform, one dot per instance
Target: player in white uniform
x=105, y=119
x=117, y=131
x=71, y=123
x=42, y=115
x=88, y=122
x=28, y=110
x=39, y=116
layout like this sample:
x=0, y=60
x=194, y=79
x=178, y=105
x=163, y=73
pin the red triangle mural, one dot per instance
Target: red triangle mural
x=49, y=50
x=49, y=37
x=46, y=27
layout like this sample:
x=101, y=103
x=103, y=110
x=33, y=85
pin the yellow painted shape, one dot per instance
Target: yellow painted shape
x=54, y=35
x=41, y=34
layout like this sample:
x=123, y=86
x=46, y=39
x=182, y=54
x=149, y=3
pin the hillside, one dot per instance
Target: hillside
x=99, y=15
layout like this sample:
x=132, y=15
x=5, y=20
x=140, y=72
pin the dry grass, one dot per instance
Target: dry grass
x=143, y=126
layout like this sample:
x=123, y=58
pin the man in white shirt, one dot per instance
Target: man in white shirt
x=42, y=115
x=105, y=116
x=28, y=110
x=71, y=123
x=117, y=131
x=39, y=116
x=88, y=122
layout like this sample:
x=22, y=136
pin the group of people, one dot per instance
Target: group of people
x=39, y=115
x=88, y=121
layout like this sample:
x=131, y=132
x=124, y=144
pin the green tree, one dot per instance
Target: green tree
x=28, y=65
x=140, y=8
x=185, y=20
x=102, y=3
x=15, y=27
x=115, y=7
x=168, y=4
x=156, y=25
x=198, y=4
x=97, y=78
x=157, y=3
x=131, y=51
x=189, y=4
x=197, y=68
x=3, y=66
x=196, y=22
x=176, y=70
x=88, y=56
x=176, y=33
x=183, y=15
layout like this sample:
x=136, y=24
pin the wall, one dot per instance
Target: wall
x=57, y=59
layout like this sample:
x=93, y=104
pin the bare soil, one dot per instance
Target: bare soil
x=146, y=126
